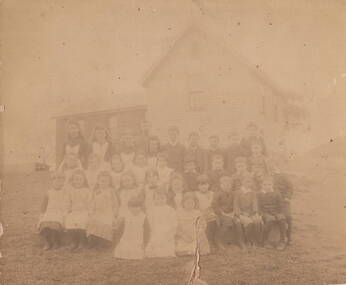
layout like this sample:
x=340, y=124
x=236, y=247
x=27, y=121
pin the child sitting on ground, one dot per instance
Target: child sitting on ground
x=246, y=208
x=271, y=208
x=53, y=211
x=76, y=221
x=190, y=231
x=133, y=238
x=223, y=206
x=162, y=220
x=103, y=211
x=205, y=198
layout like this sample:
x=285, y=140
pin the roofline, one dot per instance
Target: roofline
x=108, y=111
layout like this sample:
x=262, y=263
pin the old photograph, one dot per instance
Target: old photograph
x=182, y=142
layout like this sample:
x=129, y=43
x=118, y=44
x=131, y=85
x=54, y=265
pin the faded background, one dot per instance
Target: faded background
x=61, y=57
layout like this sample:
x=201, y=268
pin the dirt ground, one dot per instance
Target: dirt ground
x=317, y=256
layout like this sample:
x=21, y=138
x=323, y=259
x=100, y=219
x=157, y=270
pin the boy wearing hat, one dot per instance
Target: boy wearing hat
x=175, y=150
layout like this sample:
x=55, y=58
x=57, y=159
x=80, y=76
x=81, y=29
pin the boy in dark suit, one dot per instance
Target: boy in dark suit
x=197, y=152
x=175, y=150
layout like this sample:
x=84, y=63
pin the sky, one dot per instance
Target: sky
x=61, y=56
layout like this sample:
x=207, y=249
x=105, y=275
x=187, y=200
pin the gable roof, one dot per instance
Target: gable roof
x=207, y=27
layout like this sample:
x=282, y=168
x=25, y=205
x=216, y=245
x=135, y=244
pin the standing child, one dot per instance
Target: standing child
x=78, y=206
x=117, y=169
x=253, y=134
x=247, y=210
x=151, y=186
x=162, y=220
x=53, y=212
x=241, y=171
x=228, y=224
x=128, y=190
x=195, y=151
x=103, y=211
x=233, y=151
x=190, y=174
x=127, y=152
x=189, y=230
x=95, y=165
x=217, y=170
x=214, y=149
x=205, y=199
x=271, y=208
x=176, y=190
x=154, y=148
x=132, y=241
x=101, y=144
x=175, y=150
x=257, y=159
x=139, y=168
x=162, y=168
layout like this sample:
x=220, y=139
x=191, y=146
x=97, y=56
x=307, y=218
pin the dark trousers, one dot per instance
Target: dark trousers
x=52, y=237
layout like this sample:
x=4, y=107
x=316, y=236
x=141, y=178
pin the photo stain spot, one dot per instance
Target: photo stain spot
x=238, y=23
x=331, y=140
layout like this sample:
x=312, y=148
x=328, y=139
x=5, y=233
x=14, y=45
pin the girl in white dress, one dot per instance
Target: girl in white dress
x=101, y=143
x=128, y=190
x=162, y=221
x=162, y=168
x=191, y=228
x=78, y=198
x=139, y=168
x=95, y=166
x=176, y=190
x=132, y=241
x=117, y=169
x=51, y=223
x=103, y=211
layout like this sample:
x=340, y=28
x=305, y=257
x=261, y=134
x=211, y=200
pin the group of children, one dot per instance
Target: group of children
x=153, y=200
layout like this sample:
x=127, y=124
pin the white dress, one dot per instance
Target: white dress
x=124, y=196
x=131, y=243
x=163, y=224
x=204, y=202
x=56, y=207
x=78, y=206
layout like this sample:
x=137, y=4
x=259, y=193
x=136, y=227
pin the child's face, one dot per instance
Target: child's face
x=104, y=181
x=140, y=160
x=100, y=135
x=189, y=204
x=240, y=167
x=267, y=185
x=217, y=163
x=226, y=183
x=73, y=130
x=256, y=149
x=78, y=181
x=173, y=135
x=152, y=179
x=190, y=166
x=58, y=181
x=214, y=142
x=177, y=185
x=128, y=181
x=160, y=200
x=135, y=210
x=117, y=164
x=161, y=162
x=203, y=187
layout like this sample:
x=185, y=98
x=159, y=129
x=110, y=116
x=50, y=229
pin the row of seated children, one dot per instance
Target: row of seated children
x=155, y=220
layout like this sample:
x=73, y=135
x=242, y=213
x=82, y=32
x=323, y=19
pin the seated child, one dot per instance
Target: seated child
x=189, y=230
x=205, y=198
x=162, y=221
x=140, y=167
x=76, y=221
x=53, y=211
x=69, y=164
x=95, y=165
x=102, y=212
x=247, y=210
x=190, y=173
x=151, y=185
x=216, y=171
x=223, y=206
x=176, y=190
x=117, y=169
x=162, y=168
x=270, y=206
x=283, y=185
x=132, y=241
x=128, y=190
x=240, y=172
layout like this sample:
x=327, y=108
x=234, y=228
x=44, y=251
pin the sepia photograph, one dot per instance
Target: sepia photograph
x=182, y=142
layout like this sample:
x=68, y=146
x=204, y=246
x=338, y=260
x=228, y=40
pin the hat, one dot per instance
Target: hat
x=203, y=178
